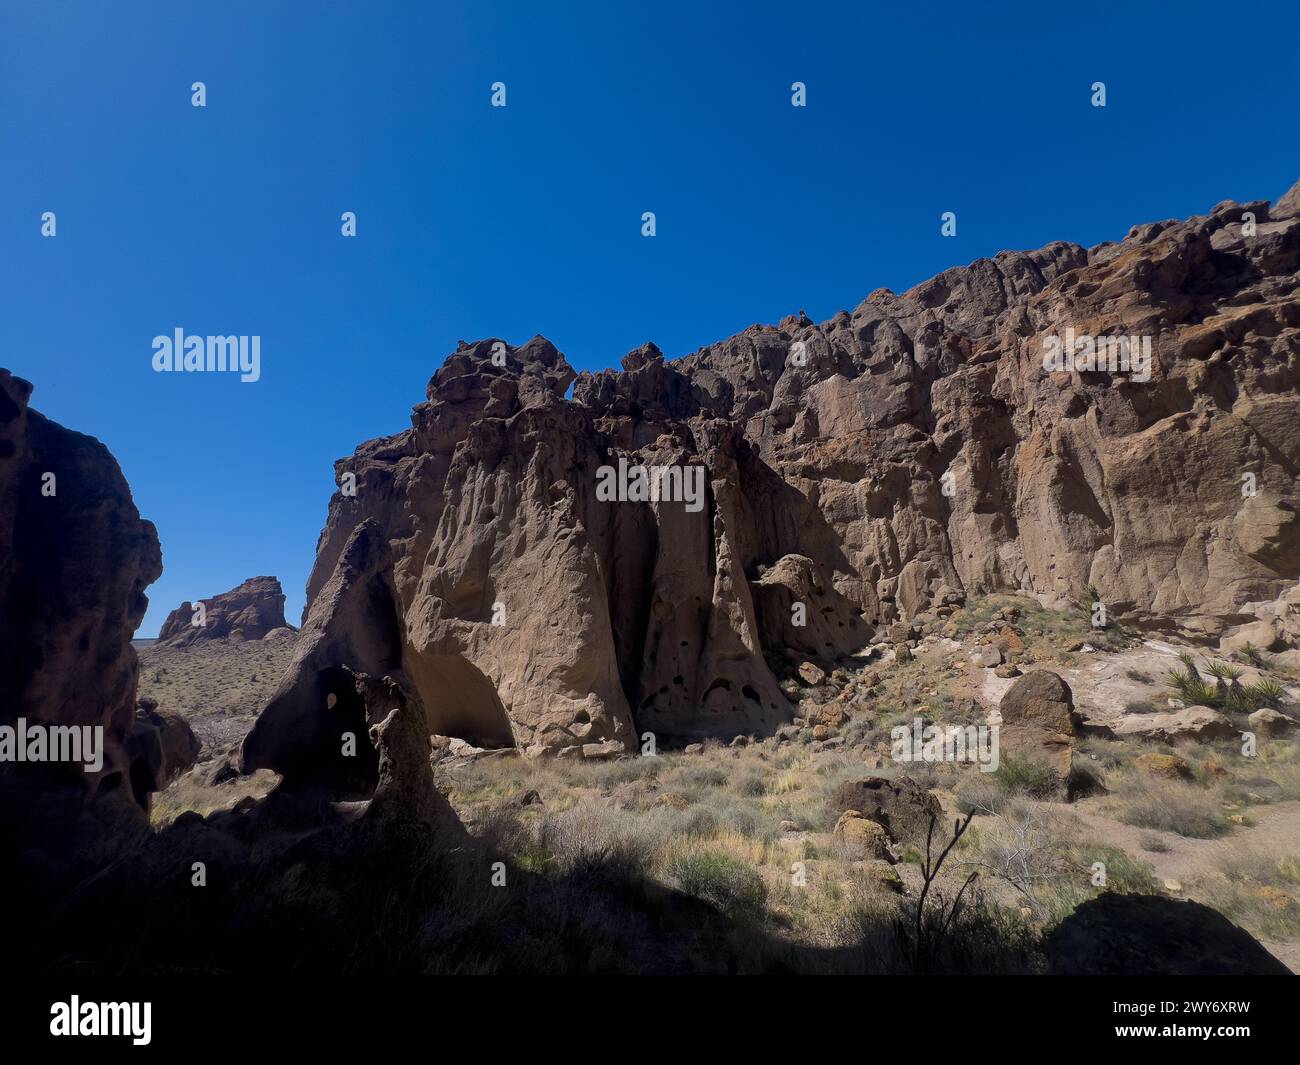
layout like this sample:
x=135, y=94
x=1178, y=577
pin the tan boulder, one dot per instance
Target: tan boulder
x=859, y=838
x=1262, y=634
x=1166, y=766
x=1269, y=722
x=1191, y=722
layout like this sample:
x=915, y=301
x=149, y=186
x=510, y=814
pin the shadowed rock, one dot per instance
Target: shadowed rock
x=1148, y=935
x=75, y=559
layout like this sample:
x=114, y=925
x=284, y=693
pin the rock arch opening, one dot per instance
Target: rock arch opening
x=459, y=700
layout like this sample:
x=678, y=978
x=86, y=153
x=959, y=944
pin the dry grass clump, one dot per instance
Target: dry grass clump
x=1258, y=889
x=1186, y=809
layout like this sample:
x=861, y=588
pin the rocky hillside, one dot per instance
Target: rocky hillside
x=852, y=475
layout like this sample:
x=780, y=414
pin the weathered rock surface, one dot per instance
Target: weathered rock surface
x=900, y=806
x=1191, y=723
x=251, y=611
x=1269, y=722
x=1039, y=723
x=860, y=838
x=75, y=560
x=854, y=474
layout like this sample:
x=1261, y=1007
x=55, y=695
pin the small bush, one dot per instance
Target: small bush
x=721, y=881
x=1020, y=775
x=978, y=791
x=1172, y=806
x=1149, y=841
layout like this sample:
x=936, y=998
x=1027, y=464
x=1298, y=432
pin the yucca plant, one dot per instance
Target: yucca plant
x=1267, y=692
x=1218, y=670
x=1235, y=698
x=1252, y=654
x=1193, y=690
x=1087, y=601
x=1189, y=663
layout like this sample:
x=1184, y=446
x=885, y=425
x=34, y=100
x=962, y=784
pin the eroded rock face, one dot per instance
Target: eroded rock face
x=250, y=611
x=901, y=456
x=75, y=559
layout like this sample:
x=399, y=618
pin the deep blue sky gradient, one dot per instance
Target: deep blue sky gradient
x=475, y=221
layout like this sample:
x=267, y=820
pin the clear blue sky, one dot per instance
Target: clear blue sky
x=477, y=221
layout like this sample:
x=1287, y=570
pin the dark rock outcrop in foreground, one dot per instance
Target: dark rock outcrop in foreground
x=1149, y=935
x=247, y=612
x=75, y=560
x=909, y=453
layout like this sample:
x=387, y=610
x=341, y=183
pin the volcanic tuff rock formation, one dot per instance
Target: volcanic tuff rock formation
x=515, y=606
x=75, y=559
x=247, y=612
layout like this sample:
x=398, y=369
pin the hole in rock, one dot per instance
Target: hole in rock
x=460, y=701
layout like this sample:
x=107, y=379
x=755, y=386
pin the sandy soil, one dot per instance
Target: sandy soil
x=219, y=686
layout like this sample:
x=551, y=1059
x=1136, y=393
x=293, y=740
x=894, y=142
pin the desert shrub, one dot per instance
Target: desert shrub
x=720, y=880
x=1020, y=775
x=978, y=791
x=1192, y=690
x=861, y=731
x=592, y=837
x=1173, y=806
x=1257, y=889
x=608, y=775
x=1149, y=841
x=697, y=778
x=1124, y=872
x=1253, y=655
x=700, y=821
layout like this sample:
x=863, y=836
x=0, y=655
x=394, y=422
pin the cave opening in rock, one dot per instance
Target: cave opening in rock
x=460, y=701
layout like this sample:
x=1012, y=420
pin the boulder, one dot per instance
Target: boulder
x=75, y=560
x=1039, y=723
x=900, y=806
x=859, y=838
x=1269, y=722
x=811, y=674
x=1149, y=935
x=178, y=746
x=1191, y=723
x=1166, y=766
x=1262, y=634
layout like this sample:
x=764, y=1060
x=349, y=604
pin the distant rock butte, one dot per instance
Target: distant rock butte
x=911, y=452
x=248, y=612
